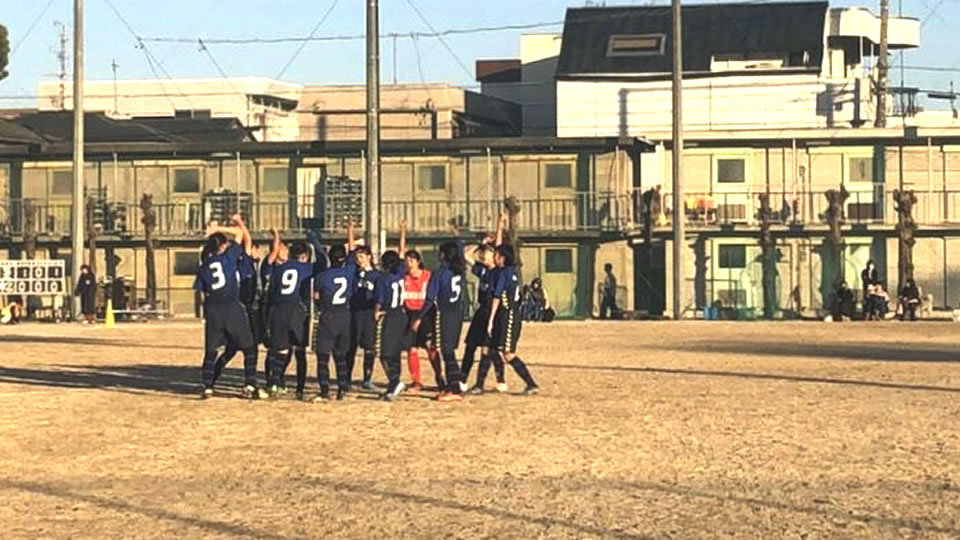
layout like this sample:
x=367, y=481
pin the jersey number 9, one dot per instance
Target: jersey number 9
x=289, y=281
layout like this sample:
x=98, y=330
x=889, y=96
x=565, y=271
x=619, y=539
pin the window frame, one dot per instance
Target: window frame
x=286, y=180
x=722, y=248
x=546, y=260
x=173, y=181
x=570, y=165
x=612, y=51
x=176, y=264
x=716, y=170
x=446, y=176
x=53, y=183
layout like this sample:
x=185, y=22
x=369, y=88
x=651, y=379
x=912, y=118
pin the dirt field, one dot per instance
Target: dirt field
x=643, y=430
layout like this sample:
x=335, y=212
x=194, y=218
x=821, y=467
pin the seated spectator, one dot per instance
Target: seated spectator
x=876, y=304
x=535, y=301
x=843, y=303
x=909, y=300
x=11, y=314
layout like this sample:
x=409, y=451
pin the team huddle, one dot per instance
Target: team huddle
x=397, y=307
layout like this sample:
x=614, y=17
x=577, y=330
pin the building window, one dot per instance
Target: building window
x=558, y=261
x=731, y=171
x=751, y=61
x=186, y=181
x=732, y=256
x=558, y=175
x=62, y=183
x=861, y=169
x=275, y=180
x=636, y=45
x=185, y=263
x=432, y=177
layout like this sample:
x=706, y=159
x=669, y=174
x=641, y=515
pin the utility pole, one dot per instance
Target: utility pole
x=116, y=94
x=76, y=248
x=679, y=213
x=372, y=225
x=883, y=66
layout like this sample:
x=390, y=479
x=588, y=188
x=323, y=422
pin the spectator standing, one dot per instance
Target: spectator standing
x=608, y=300
x=868, y=277
x=86, y=289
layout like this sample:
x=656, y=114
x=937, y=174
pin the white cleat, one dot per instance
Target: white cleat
x=502, y=387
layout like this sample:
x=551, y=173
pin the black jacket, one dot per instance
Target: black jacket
x=86, y=289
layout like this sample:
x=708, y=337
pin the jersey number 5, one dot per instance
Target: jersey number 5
x=340, y=295
x=219, y=278
x=455, y=287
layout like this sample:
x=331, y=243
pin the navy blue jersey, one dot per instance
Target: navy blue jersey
x=335, y=286
x=487, y=279
x=286, y=280
x=507, y=288
x=445, y=290
x=389, y=291
x=365, y=284
x=218, y=277
x=248, y=279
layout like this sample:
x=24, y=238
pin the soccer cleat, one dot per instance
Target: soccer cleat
x=476, y=391
x=300, y=396
x=207, y=393
x=368, y=385
x=502, y=387
x=531, y=390
x=273, y=391
x=449, y=396
x=250, y=392
x=321, y=398
x=415, y=388
x=341, y=393
x=392, y=396
x=463, y=386
x=262, y=394
x=283, y=389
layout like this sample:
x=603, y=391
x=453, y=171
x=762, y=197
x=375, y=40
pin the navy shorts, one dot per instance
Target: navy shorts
x=331, y=334
x=477, y=333
x=506, y=331
x=425, y=335
x=287, y=325
x=363, y=330
x=448, y=326
x=226, y=324
x=392, y=336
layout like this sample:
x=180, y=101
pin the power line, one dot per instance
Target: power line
x=355, y=37
x=310, y=37
x=30, y=28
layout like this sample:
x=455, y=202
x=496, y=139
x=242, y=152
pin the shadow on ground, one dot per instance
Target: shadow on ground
x=866, y=352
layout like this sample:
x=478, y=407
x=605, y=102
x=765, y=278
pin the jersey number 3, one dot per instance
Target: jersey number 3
x=219, y=278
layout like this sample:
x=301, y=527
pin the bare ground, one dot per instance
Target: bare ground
x=643, y=430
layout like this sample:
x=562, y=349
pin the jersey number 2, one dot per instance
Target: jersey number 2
x=340, y=295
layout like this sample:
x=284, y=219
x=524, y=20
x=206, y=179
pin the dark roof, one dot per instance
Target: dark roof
x=57, y=126
x=12, y=132
x=708, y=30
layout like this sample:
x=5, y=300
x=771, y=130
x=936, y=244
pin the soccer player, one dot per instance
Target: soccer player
x=415, y=293
x=484, y=267
x=391, y=316
x=445, y=293
x=286, y=318
x=363, y=325
x=225, y=321
x=505, y=321
x=334, y=288
x=249, y=297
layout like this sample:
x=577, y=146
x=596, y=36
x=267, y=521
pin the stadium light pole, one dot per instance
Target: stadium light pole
x=372, y=224
x=76, y=247
x=678, y=207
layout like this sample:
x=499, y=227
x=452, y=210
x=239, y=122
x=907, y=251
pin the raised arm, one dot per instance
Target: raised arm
x=403, y=237
x=274, y=247
x=235, y=232
x=247, y=240
x=501, y=225
x=350, y=238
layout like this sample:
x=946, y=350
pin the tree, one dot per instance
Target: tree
x=4, y=52
x=834, y=216
x=512, y=238
x=904, y=202
x=149, y=221
x=29, y=229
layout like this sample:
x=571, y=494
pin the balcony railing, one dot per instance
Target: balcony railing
x=576, y=212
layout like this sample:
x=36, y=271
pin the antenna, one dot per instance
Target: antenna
x=61, y=101
x=115, y=66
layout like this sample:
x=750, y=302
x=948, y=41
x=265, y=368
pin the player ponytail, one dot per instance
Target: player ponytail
x=390, y=261
x=338, y=256
x=450, y=253
x=509, y=255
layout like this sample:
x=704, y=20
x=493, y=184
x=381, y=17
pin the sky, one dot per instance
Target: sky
x=108, y=39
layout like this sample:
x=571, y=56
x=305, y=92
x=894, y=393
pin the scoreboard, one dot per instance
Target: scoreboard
x=37, y=277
